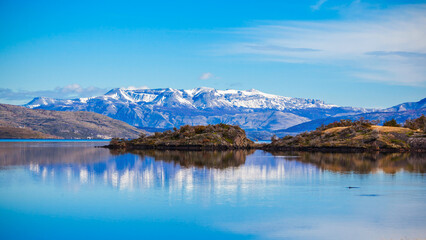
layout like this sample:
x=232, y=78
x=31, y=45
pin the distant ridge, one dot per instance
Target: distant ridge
x=21, y=122
x=167, y=108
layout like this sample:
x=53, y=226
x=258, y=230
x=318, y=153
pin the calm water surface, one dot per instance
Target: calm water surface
x=71, y=190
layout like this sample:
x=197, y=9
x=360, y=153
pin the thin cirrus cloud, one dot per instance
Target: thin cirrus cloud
x=69, y=91
x=385, y=45
x=318, y=5
x=206, y=76
x=135, y=88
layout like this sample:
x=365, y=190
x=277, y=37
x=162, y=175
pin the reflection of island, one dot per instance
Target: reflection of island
x=362, y=162
x=209, y=159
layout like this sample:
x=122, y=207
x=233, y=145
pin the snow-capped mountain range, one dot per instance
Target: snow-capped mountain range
x=198, y=98
x=157, y=109
x=168, y=108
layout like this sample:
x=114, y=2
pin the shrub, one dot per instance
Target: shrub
x=391, y=123
x=416, y=124
x=359, y=124
x=287, y=138
x=200, y=129
x=184, y=128
x=341, y=123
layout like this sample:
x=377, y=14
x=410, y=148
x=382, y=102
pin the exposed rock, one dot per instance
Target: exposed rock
x=417, y=143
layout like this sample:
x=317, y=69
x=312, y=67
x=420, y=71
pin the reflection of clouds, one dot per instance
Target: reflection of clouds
x=84, y=175
x=44, y=173
x=34, y=167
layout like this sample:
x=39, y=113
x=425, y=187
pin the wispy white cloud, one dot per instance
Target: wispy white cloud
x=206, y=76
x=69, y=91
x=383, y=45
x=318, y=5
x=135, y=88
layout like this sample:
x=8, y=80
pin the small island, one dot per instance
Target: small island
x=358, y=136
x=212, y=137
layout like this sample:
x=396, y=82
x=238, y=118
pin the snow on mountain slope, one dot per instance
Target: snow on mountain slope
x=167, y=108
x=408, y=106
x=199, y=98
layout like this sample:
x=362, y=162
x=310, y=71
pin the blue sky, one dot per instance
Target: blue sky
x=357, y=53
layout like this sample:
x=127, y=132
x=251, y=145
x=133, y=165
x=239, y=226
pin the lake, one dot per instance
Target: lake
x=72, y=190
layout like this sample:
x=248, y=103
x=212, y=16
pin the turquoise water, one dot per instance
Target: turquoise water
x=71, y=190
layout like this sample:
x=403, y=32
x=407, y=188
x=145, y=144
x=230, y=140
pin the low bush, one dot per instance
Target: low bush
x=416, y=124
x=391, y=123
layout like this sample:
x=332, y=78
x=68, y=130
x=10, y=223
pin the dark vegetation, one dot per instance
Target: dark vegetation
x=416, y=124
x=219, y=136
x=391, y=123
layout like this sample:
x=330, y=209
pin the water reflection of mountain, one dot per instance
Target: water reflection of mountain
x=362, y=162
x=176, y=170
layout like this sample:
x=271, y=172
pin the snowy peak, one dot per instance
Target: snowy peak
x=205, y=98
x=197, y=98
x=40, y=101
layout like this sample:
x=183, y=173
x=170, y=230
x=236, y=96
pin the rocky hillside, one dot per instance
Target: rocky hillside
x=358, y=135
x=220, y=136
x=21, y=122
x=23, y=133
